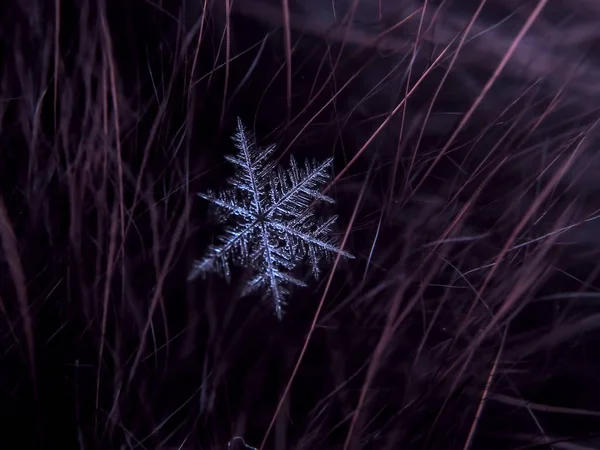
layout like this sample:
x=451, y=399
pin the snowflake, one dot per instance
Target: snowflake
x=271, y=224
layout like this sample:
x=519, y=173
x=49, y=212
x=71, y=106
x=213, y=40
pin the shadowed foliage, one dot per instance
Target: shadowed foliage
x=459, y=142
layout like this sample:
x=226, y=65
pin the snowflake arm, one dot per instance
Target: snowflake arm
x=227, y=203
x=234, y=242
x=253, y=167
x=309, y=242
x=295, y=189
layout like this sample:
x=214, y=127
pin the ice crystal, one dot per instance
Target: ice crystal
x=270, y=220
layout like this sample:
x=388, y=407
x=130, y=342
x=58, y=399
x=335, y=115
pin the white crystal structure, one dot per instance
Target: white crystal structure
x=270, y=223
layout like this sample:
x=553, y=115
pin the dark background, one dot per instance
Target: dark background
x=112, y=110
